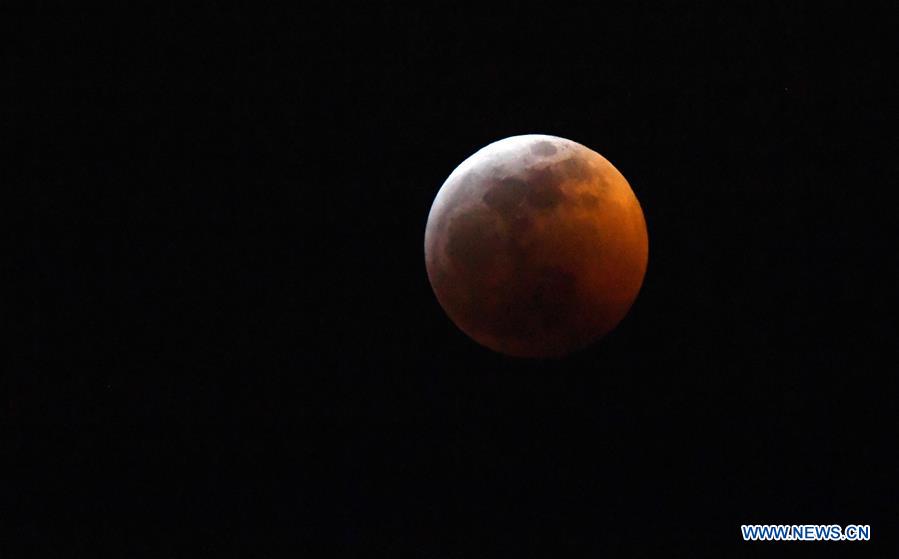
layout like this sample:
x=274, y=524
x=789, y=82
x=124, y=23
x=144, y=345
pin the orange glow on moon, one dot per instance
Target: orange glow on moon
x=536, y=246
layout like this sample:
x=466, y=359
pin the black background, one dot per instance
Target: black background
x=230, y=347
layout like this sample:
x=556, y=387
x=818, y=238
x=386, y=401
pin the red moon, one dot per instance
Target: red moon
x=536, y=246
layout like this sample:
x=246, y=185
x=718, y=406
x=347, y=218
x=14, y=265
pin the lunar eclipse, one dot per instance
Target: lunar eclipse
x=536, y=246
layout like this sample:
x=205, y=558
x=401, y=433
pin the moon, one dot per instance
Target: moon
x=536, y=246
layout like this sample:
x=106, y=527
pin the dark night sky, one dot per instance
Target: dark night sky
x=230, y=347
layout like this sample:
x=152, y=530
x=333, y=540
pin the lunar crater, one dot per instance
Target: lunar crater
x=544, y=148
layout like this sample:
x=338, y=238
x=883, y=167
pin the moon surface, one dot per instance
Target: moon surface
x=536, y=246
